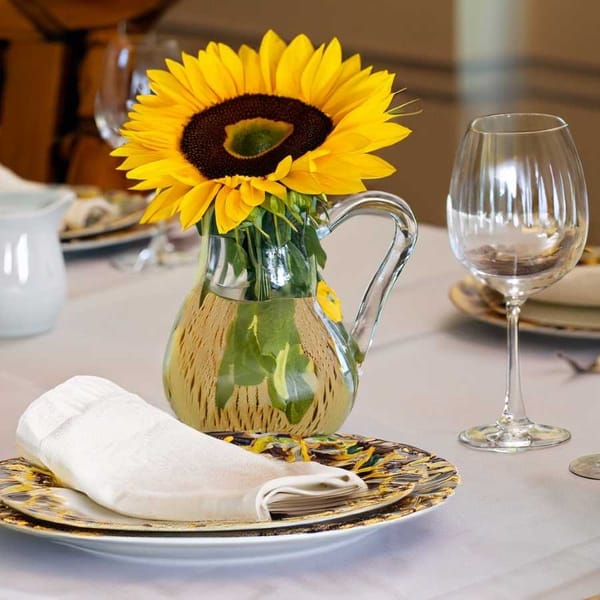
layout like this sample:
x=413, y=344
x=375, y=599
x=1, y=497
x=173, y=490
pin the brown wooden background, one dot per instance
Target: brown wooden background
x=461, y=57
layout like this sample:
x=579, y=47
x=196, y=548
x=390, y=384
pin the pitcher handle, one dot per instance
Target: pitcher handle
x=400, y=250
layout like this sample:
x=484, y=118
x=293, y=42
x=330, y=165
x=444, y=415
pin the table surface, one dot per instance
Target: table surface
x=519, y=526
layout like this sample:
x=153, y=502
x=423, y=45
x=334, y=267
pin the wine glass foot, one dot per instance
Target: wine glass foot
x=495, y=438
x=586, y=466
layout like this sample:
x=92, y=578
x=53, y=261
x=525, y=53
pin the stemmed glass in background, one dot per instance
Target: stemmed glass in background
x=127, y=60
x=124, y=78
x=517, y=219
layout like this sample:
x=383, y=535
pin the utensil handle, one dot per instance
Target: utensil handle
x=402, y=245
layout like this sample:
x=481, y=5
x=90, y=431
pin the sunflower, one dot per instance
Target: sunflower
x=231, y=130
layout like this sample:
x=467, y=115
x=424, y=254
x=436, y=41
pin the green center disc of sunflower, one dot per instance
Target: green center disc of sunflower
x=252, y=137
x=250, y=134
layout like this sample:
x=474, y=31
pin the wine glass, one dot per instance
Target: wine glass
x=517, y=219
x=124, y=78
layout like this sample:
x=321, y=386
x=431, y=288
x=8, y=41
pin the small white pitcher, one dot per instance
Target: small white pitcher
x=32, y=268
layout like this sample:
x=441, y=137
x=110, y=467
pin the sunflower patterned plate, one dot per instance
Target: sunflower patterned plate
x=258, y=545
x=391, y=471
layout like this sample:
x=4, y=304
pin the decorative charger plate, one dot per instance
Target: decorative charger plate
x=479, y=302
x=390, y=470
x=377, y=461
x=133, y=233
x=434, y=481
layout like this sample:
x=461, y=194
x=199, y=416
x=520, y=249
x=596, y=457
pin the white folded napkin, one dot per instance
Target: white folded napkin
x=86, y=212
x=137, y=460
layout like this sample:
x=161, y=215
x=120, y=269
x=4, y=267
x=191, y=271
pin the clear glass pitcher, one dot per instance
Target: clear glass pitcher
x=32, y=268
x=286, y=364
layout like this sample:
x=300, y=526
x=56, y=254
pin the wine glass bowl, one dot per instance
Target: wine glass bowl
x=517, y=220
x=124, y=77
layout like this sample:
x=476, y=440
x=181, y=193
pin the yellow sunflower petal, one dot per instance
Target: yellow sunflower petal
x=293, y=60
x=156, y=168
x=327, y=73
x=346, y=141
x=164, y=83
x=251, y=195
x=196, y=202
x=137, y=160
x=224, y=223
x=234, y=65
x=273, y=188
x=235, y=208
x=216, y=75
x=271, y=49
x=307, y=182
x=253, y=79
x=156, y=183
x=165, y=204
x=310, y=71
x=363, y=166
x=283, y=168
x=179, y=72
x=200, y=88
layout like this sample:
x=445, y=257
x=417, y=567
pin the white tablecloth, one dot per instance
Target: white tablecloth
x=520, y=526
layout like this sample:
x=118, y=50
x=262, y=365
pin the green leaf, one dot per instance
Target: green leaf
x=300, y=271
x=313, y=246
x=276, y=326
x=236, y=256
x=225, y=385
x=283, y=231
x=294, y=381
x=241, y=362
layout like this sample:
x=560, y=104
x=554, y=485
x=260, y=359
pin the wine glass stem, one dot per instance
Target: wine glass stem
x=513, y=414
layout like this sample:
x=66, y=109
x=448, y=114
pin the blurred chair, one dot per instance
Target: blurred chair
x=51, y=59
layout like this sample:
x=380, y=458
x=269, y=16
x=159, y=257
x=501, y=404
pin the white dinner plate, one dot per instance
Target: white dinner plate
x=236, y=548
x=475, y=300
x=579, y=287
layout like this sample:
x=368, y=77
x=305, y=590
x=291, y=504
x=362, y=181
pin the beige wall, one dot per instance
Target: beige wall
x=460, y=57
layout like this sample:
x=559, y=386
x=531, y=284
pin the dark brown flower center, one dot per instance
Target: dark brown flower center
x=251, y=134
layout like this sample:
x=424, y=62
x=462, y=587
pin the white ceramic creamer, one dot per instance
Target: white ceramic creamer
x=32, y=268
